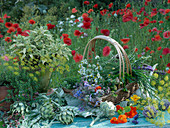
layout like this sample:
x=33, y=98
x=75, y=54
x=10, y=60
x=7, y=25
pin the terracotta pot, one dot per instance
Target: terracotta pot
x=5, y=106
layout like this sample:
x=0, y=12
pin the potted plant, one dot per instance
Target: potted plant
x=40, y=54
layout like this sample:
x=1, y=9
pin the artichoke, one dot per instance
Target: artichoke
x=107, y=109
x=66, y=116
x=46, y=110
x=19, y=107
x=150, y=112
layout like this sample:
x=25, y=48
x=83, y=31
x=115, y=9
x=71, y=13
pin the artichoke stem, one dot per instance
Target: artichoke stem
x=97, y=118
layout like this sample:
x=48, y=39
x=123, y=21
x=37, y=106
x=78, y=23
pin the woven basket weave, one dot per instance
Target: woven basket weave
x=131, y=87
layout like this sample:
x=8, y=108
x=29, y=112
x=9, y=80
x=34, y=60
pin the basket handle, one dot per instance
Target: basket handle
x=119, y=49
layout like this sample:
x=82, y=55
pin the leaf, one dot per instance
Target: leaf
x=127, y=109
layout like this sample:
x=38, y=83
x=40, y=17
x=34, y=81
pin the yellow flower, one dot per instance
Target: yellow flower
x=160, y=88
x=155, y=75
x=37, y=72
x=51, y=69
x=35, y=78
x=6, y=64
x=31, y=74
x=162, y=82
x=16, y=73
x=135, y=98
x=166, y=85
x=153, y=83
x=168, y=121
x=166, y=78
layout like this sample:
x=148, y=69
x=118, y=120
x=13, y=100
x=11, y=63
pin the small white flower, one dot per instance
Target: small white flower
x=72, y=16
x=93, y=65
x=97, y=57
x=89, y=65
x=115, y=14
x=80, y=25
x=79, y=18
x=71, y=21
x=67, y=18
x=61, y=30
x=60, y=22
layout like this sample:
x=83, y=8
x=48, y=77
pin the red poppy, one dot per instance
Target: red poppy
x=50, y=26
x=167, y=11
x=110, y=5
x=146, y=21
x=168, y=65
x=159, y=48
x=139, y=55
x=118, y=107
x=1, y=36
x=95, y=6
x=77, y=33
x=5, y=16
x=168, y=1
x=73, y=52
x=125, y=40
x=86, y=25
x=106, y=32
x=65, y=35
x=166, y=17
x=78, y=58
x=25, y=33
x=67, y=41
x=169, y=69
x=10, y=30
x=128, y=6
x=160, y=56
x=106, y=51
x=90, y=10
x=161, y=22
x=87, y=19
x=166, y=34
x=86, y=2
x=8, y=39
x=1, y=21
x=85, y=15
x=128, y=17
x=103, y=12
x=76, y=20
x=15, y=25
x=114, y=120
x=74, y=10
x=162, y=11
x=154, y=12
x=147, y=48
x=147, y=0
x=136, y=49
x=125, y=47
x=146, y=3
x=31, y=21
x=8, y=24
x=151, y=51
x=98, y=87
x=166, y=51
x=157, y=38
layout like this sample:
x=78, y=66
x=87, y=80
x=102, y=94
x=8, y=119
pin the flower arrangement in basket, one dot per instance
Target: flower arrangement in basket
x=104, y=82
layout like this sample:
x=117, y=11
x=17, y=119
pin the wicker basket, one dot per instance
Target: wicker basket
x=131, y=87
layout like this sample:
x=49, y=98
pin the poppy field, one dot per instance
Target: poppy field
x=96, y=60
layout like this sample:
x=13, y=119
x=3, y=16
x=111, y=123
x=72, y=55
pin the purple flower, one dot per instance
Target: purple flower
x=136, y=117
x=135, y=121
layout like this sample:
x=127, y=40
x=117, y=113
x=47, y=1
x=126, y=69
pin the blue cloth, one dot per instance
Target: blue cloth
x=80, y=122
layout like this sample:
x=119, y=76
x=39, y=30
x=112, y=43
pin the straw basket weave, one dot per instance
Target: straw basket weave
x=131, y=87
